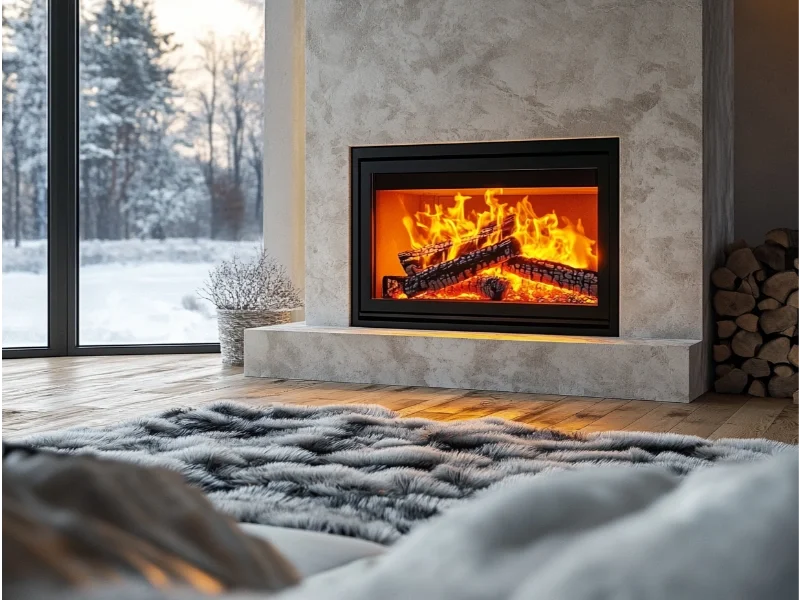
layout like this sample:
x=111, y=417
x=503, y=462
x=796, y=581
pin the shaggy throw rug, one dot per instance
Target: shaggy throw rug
x=362, y=471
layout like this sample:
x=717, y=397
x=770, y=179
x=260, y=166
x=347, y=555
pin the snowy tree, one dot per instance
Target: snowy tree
x=126, y=88
x=160, y=154
x=13, y=154
x=25, y=119
x=170, y=189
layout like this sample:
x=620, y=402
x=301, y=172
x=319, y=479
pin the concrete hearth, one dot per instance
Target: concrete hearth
x=664, y=370
x=655, y=73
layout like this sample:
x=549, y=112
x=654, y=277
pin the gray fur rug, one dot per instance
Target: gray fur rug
x=362, y=471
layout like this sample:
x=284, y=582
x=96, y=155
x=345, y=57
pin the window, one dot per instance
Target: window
x=161, y=169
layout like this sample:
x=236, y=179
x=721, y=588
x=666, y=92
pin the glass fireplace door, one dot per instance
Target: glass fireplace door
x=510, y=237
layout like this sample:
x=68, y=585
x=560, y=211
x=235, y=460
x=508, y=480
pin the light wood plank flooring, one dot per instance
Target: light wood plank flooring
x=53, y=393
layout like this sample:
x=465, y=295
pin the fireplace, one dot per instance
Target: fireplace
x=352, y=128
x=492, y=236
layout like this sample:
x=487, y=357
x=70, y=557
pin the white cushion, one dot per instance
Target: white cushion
x=312, y=552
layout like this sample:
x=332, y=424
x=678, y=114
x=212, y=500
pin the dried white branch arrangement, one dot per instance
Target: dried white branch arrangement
x=260, y=283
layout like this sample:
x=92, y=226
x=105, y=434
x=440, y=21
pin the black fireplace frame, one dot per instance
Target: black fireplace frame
x=485, y=164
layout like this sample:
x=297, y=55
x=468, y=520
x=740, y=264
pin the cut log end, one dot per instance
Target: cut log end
x=746, y=343
x=742, y=262
x=775, y=351
x=774, y=321
x=748, y=322
x=726, y=329
x=782, y=387
x=784, y=237
x=723, y=278
x=734, y=382
x=733, y=304
x=756, y=367
x=757, y=388
x=780, y=285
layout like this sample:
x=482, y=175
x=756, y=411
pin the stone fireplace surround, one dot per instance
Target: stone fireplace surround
x=655, y=73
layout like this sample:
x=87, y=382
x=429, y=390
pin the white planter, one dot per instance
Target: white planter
x=232, y=324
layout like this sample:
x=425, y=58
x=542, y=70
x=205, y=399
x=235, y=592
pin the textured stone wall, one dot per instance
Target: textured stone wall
x=394, y=71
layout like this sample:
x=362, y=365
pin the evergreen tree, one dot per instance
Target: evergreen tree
x=127, y=90
x=170, y=190
x=146, y=168
x=13, y=150
x=25, y=120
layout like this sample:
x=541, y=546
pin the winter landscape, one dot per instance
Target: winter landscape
x=171, y=154
x=131, y=291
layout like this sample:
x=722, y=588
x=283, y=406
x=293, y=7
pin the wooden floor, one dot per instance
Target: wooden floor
x=53, y=393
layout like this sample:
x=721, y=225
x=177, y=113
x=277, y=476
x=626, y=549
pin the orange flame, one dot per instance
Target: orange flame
x=545, y=237
x=541, y=237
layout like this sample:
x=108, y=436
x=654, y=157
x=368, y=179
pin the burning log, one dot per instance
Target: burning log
x=463, y=267
x=412, y=260
x=580, y=281
x=487, y=287
x=392, y=286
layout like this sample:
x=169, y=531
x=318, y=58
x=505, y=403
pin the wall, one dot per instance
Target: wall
x=284, y=142
x=766, y=124
x=385, y=71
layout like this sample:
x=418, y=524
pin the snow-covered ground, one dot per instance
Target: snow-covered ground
x=24, y=309
x=126, y=297
x=31, y=255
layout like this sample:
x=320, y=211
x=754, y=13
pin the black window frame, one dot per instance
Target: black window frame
x=62, y=202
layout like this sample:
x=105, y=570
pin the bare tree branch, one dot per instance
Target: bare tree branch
x=237, y=65
x=210, y=63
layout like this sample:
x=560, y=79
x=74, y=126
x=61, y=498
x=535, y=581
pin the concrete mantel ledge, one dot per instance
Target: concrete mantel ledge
x=644, y=369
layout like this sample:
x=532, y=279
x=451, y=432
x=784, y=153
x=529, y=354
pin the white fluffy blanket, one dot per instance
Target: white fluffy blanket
x=728, y=532
x=360, y=470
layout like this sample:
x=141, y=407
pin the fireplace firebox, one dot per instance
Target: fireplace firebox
x=487, y=236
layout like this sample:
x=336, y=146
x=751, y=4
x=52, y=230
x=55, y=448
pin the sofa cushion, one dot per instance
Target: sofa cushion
x=311, y=552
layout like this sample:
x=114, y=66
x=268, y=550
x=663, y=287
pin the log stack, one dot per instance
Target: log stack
x=756, y=300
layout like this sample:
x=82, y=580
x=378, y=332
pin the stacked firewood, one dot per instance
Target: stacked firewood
x=429, y=270
x=756, y=301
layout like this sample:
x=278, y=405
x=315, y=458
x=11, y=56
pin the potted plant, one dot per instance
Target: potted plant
x=248, y=293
